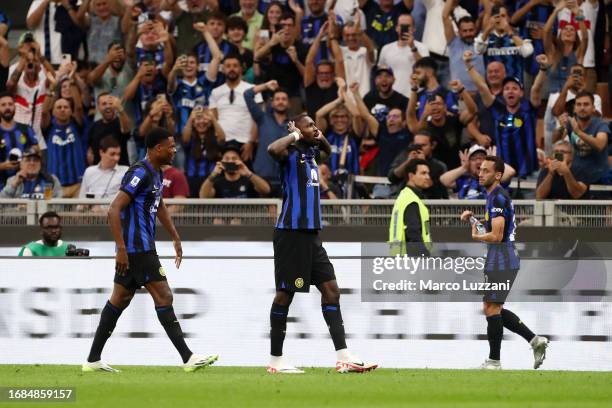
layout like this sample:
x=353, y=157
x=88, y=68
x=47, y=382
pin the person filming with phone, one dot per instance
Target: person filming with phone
x=231, y=178
x=556, y=180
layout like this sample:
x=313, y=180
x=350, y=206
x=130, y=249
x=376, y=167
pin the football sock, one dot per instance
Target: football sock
x=108, y=320
x=513, y=323
x=333, y=318
x=278, y=327
x=168, y=320
x=495, y=331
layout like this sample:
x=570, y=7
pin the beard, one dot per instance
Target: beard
x=280, y=111
x=232, y=76
x=8, y=115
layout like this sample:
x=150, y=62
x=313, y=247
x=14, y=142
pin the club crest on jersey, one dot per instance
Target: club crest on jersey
x=299, y=283
x=135, y=181
x=314, y=178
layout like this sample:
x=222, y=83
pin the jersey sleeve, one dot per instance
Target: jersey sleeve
x=498, y=206
x=134, y=181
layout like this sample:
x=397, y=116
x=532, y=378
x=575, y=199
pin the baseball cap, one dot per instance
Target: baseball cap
x=30, y=151
x=384, y=68
x=476, y=148
x=512, y=79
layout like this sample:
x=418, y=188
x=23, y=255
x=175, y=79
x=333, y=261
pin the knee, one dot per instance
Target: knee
x=283, y=298
x=121, y=301
x=491, y=309
x=165, y=298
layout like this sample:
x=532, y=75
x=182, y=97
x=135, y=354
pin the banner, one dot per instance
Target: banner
x=49, y=310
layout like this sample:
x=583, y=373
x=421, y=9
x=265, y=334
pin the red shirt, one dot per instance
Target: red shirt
x=175, y=184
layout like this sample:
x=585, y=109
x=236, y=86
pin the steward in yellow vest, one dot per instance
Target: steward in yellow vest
x=409, y=231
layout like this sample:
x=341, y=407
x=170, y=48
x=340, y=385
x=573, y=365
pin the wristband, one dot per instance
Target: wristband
x=471, y=67
x=413, y=49
x=250, y=176
x=296, y=135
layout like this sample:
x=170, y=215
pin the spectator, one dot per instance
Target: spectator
x=216, y=27
x=312, y=26
x=392, y=135
x=427, y=86
x=5, y=24
x=28, y=83
x=499, y=42
x=423, y=147
x=51, y=243
x=66, y=87
x=271, y=125
x=31, y=181
x=348, y=12
x=319, y=77
x=482, y=129
x=515, y=117
x=175, y=183
x=342, y=128
x=383, y=98
x=458, y=44
x=197, y=12
x=152, y=44
x=464, y=179
x=103, y=180
x=189, y=91
x=114, y=122
x=587, y=12
x=159, y=113
x=253, y=19
x=433, y=27
x=54, y=25
x=359, y=56
x=16, y=138
x=282, y=58
x=530, y=17
x=401, y=55
x=271, y=20
x=65, y=153
x=445, y=128
x=102, y=27
x=588, y=135
x=565, y=50
x=381, y=18
x=329, y=189
x=202, y=138
x=112, y=75
x=231, y=178
x=563, y=101
x=556, y=180
x=236, y=32
x=228, y=105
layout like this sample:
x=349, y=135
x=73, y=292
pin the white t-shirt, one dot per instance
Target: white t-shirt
x=102, y=183
x=590, y=14
x=54, y=36
x=30, y=101
x=433, y=32
x=234, y=118
x=401, y=59
x=357, y=68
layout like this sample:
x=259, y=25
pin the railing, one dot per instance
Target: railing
x=263, y=212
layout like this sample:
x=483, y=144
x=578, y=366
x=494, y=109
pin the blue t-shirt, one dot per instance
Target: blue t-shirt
x=591, y=165
x=456, y=48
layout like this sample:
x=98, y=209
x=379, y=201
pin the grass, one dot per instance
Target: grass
x=138, y=386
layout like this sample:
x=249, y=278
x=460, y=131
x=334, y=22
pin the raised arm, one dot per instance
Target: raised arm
x=35, y=17
x=536, y=89
x=309, y=68
x=334, y=46
x=449, y=32
x=278, y=148
x=547, y=32
x=483, y=89
x=471, y=109
x=130, y=91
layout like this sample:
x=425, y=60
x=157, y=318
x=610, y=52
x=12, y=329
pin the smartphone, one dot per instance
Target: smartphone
x=264, y=34
x=431, y=98
x=278, y=27
x=161, y=97
x=90, y=195
x=559, y=156
x=404, y=28
x=66, y=58
x=495, y=11
x=230, y=166
x=149, y=57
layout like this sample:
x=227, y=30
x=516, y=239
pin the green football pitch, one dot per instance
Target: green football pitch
x=138, y=386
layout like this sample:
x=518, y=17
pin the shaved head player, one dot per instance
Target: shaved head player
x=132, y=217
x=299, y=257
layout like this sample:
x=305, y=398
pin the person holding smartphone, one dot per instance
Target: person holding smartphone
x=556, y=180
x=231, y=178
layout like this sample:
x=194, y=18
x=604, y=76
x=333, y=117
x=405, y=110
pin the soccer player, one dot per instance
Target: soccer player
x=132, y=220
x=502, y=263
x=299, y=257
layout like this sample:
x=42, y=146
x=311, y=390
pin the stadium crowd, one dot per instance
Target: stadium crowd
x=444, y=81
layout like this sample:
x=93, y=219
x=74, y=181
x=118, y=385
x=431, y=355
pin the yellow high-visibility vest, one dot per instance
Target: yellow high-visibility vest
x=397, y=233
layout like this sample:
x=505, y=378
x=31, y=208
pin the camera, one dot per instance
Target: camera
x=431, y=98
x=559, y=156
x=404, y=28
x=72, y=250
x=230, y=166
x=14, y=155
x=28, y=37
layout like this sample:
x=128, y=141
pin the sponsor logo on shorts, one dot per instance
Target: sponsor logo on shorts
x=299, y=283
x=162, y=272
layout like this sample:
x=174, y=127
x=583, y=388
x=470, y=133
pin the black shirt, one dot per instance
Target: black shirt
x=3, y=77
x=379, y=107
x=317, y=97
x=448, y=137
x=241, y=188
x=413, y=232
x=284, y=70
x=99, y=130
x=558, y=188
